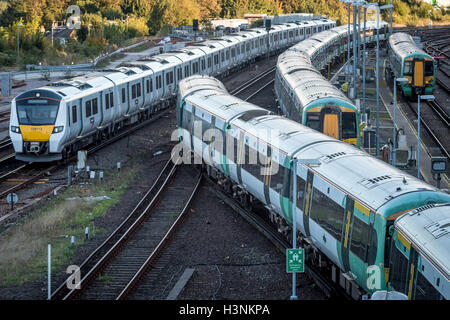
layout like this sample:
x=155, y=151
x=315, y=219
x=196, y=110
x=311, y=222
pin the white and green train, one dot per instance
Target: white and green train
x=406, y=60
x=347, y=200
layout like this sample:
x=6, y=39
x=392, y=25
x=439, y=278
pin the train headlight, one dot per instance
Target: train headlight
x=15, y=129
x=58, y=129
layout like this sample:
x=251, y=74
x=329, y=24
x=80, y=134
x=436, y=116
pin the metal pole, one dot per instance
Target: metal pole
x=348, y=38
x=355, y=52
x=394, y=156
x=359, y=35
x=418, y=137
x=390, y=17
x=17, y=41
x=294, y=222
x=378, y=98
x=49, y=275
x=364, y=64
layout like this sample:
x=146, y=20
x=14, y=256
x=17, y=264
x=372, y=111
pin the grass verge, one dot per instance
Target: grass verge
x=23, y=248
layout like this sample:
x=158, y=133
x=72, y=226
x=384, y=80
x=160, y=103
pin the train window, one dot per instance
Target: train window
x=399, y=269
x=94, y=106
x=167, y=79
x=111, y=99
x=238, y=50
x=227, y=55
x=222, y=56
x=107, y=101
x=424, y=289
x=203, y=64
x=147, y=83
x=348, y=125
x=216, y=59
x=138, y=87
x=301, y=32
x=261, y=42
x=408, y=68
x=327, y=213
x=233, y=52
x=243, y=48
x=209, y=62
x=186, y=71
x=360, y=238
x=313, y=120
x=287, y=184
x=179, y=74
x=251, y=162
x=277, y=178
x=133, y=91
x=195, y=67
x=428, y=68
x=187, y=115
x=301, y=184
x=74, y=114
x=88, y=108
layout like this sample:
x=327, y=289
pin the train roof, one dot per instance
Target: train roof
x=428, y=229
x=403, y=45
x=340, y=163
x=86, y=84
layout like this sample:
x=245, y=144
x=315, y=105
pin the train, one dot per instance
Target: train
x=420, y=253
x=406, y=60
x=306, y=96
x=347, y=200
x=51, y=122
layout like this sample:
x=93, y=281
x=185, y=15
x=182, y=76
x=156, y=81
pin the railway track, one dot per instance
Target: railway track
x=330, y=289
x=27, y=173
x=116, y=266
x=5, y=144
x=435, y=122
x=247, y=90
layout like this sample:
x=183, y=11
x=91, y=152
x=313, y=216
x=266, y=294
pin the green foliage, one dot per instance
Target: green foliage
x=108, y=24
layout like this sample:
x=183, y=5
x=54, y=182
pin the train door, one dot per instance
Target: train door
x=418, y=72
x=75, y=119
x=330, y=122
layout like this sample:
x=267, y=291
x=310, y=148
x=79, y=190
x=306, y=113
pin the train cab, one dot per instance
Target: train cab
x=36, y=125
x=419, y=254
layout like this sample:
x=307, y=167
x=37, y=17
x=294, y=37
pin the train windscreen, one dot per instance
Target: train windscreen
x=348, y=125
x=38, y=108
x=428, y=68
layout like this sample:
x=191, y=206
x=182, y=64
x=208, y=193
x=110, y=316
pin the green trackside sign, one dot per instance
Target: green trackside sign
x=295, y=260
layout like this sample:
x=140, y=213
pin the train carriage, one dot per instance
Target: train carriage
x=406, y=60
x=103, y=103
x=304, y=95
x=344, y=212
x=420, y=252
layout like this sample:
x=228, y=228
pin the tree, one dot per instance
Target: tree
x=140, y=8
x=172, y=12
